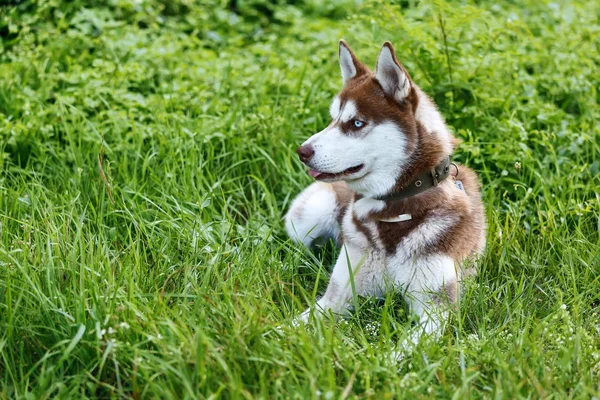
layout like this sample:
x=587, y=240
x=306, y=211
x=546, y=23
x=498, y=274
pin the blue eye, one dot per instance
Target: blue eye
x=358, y=124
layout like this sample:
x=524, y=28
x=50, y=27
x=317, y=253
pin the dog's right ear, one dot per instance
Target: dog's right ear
x=349, y=64
x=391, y=75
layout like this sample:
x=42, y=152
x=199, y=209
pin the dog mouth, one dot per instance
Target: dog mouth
x=319, y=176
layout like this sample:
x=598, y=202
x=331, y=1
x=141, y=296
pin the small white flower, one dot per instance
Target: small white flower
x=473, y=337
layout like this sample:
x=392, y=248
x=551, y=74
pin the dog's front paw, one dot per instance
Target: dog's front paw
x=403, y=350
x=406, y=347
x=301, y=319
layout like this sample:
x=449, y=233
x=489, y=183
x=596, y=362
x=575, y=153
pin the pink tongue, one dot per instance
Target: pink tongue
x=314, y=173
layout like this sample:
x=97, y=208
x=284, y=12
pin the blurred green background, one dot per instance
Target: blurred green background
x=147, y=155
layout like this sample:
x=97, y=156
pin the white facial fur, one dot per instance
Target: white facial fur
x=334, y=109
x=381, y=148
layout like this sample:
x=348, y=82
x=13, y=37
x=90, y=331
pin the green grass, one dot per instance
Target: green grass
x=147, y=157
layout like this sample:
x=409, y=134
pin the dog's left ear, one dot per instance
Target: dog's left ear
x=391, y=75
x=349, y=64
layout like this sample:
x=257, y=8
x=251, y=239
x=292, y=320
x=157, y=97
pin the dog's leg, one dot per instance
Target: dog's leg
x=353, y=273
x=431, y=315
x=430, y=289
x=315, y=212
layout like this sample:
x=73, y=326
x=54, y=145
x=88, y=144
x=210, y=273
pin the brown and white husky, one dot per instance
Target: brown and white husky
x=405, y=216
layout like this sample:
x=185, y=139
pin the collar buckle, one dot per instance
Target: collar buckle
x=434, y=177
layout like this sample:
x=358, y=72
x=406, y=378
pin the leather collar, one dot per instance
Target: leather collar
x=424, y=181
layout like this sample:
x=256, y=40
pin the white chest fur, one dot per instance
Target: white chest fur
x=405, y=266
x=357, y=232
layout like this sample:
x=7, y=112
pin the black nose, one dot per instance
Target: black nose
x=305, y=153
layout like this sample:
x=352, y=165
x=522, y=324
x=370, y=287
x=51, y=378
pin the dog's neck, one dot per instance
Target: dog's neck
x=431, y=154
x=430, y=159
x=424, y=181
x=433, y=144
x=370, y=208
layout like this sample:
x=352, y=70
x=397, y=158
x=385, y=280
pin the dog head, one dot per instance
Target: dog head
x=381, y=123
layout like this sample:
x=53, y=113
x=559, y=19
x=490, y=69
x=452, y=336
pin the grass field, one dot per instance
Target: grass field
x=147, y=156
